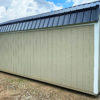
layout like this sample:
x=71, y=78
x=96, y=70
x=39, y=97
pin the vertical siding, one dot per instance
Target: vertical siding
x=61, y=56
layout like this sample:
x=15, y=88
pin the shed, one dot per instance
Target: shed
x=59, y=47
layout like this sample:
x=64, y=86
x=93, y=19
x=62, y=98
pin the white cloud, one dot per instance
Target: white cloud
x=78, y=2
x=12, y=9
x=2, y=12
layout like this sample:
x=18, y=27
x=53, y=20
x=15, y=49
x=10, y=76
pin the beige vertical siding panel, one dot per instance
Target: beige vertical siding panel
x=74, y=55
x=31, y=57
x=91, y=54
x=68, y=56
x=87, y=57
x=79, y=50
x=61, y=56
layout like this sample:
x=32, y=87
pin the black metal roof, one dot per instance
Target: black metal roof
x=74, y=15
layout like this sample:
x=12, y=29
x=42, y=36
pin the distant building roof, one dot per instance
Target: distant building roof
x=84, y=13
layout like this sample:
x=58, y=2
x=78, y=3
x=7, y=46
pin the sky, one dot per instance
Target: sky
x=13, y=9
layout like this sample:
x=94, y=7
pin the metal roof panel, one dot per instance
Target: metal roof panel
x=67, y=19
x=79, y=17
x=11, y=26
x=46, y=22
x=33, y=24
x=73, y=18
x=61, y=20
x=51, y=20
x=87, y=16
x=17, y=25
x=30, y=24
x=94, y=15
x=8, y=28
x=56, y=19
x=19, y=28
x=26, y=25
x=3, y=28
x=13, y=29
x=37, y=24
x=41, y=23
x=22, y=26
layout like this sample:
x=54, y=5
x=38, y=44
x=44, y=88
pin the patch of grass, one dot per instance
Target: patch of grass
x=17, y=80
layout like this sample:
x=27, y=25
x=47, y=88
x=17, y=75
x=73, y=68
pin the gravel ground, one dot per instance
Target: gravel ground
x=18, y=88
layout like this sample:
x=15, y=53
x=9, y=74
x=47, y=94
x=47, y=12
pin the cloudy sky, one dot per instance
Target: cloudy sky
x=12, y=9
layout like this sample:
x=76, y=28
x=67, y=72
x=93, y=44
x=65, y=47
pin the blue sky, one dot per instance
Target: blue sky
x=13, y=9
x=64, y=3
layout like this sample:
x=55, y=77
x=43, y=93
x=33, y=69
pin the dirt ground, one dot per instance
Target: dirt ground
x=18, y=88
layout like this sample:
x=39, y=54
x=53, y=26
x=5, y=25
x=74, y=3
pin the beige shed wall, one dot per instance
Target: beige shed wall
x=62, y=56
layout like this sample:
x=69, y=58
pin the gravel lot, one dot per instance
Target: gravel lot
x=18, y=88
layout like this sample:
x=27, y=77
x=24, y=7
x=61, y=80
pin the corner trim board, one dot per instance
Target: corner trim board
x=96, y=58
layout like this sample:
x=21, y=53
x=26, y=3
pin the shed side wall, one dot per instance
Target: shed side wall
x=61, y=56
